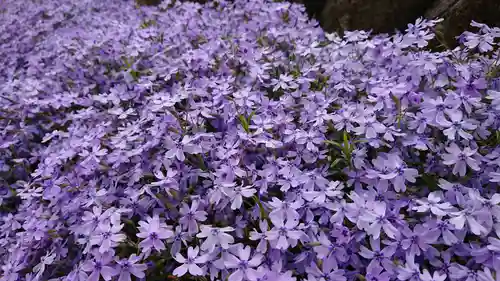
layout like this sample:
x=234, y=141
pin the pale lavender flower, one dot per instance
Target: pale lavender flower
x=190, y=217
x=44, y=262
x=175, y=150
x=377, y=255
x=370, y=127
x=377, y=273
x=284, y=82
x=437, y=109
x=10, y=271
x=397, y=172
x=93, y=219
x=284, y=233
x=107, y=236
x=377, y=220
x=177, y=240
x=285, y=209
x=243, y=264
x=458, y=125
x=486, y=275
x=153, y=232
x=418, y=239
x=333, y=191
x=460, y=159
x=419, y=122
x=237, y=193
x=329, y=271
x=434, y=204
x=483, y=42
x=459, y=220
x=426, y=276
x=215, y=236
x=454, y=191
x=260, y=236
x=126, y=267
x=100, y=266
x=190, y=263
x=410, y=271
x=446, y=229
x=166, y=181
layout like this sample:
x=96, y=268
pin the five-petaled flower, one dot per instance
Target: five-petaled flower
x=153, y=232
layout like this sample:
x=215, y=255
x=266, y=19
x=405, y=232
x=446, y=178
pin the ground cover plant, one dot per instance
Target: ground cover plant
x=238, y=141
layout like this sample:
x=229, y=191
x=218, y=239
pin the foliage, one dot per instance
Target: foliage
x=238, y=141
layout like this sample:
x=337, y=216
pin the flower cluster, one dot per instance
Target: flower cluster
x=237, y=141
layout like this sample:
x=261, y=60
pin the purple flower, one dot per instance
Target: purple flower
x=284, y=82
x=419, y=122
x=261, y=236
x=334, y=190
x=44, y=261
x=378, y=256
x=153, y=232
x=426, y=276
x=284, y=234
x=446, y=229
x=191, y=216
x=93, y=219
x=237, y=193
x=215, y=236
x=370, y=127
x=454, y=191
x=244, y=116
x=460, y=219
x=100, y=266
x=125, y=267
x=329, y=250
x=329, y=271
x=419, y=239
x=166, y=181
x=175, y=150
x=460, y=159
x=377, y=273
x=410, y=271
x=458, y=126
x=190, y=264
x=486, y=275
x=395, y=170
x=435, y=109
x=433, y=204
x=377, y=220
x=243, y=264
x=10, y=271
x=177, y=240
x=284, y=209
x=483, y=42
x=107, y=236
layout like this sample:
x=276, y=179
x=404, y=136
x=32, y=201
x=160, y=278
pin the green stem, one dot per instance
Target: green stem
x=263, y=213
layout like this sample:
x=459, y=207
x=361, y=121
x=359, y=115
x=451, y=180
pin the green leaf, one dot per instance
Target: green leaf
x=334, y=143
x=334, y=163
x=251, y=115
x=347, y=147
x=263, y=213
x=244, y=123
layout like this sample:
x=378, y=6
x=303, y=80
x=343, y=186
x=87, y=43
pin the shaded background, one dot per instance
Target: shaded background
x=385, y=16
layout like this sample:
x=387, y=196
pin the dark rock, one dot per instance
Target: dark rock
x=377, y=15
x=385, y=16
x=314, y=8
x=148, y=2
x=458, y=15
x=158, y=2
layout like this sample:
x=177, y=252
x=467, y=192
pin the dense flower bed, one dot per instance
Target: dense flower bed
x=238, y=141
